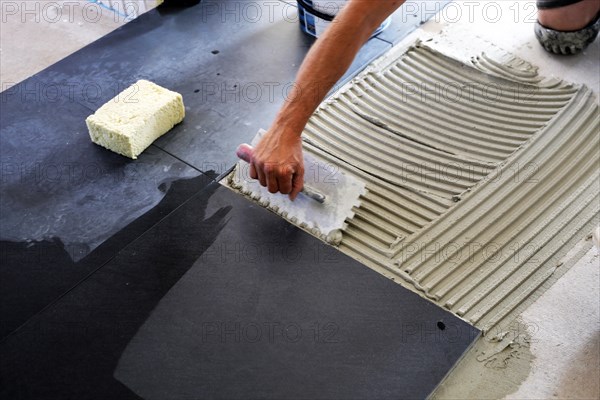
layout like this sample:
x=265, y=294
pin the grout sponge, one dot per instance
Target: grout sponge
x=135, y=118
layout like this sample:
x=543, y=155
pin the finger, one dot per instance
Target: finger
x=244, y=152
x=271, y=176
x=261, y=175
x=253, y=173
x=284, y=180
x=297, y=183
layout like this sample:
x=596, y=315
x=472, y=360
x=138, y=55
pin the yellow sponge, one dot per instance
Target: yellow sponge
x=135, y=118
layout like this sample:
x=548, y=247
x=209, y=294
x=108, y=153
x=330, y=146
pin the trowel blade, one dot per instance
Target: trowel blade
x=342, y=192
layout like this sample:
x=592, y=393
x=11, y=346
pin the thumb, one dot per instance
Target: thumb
x=245, y=152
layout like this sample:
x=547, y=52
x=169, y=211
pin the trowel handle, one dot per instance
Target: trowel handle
x=244, y=152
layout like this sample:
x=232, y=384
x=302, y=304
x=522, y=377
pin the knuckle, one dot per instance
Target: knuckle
x=288, y=169
x=269, y=168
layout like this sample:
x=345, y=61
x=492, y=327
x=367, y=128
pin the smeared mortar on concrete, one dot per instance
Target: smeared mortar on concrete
x=499, y=361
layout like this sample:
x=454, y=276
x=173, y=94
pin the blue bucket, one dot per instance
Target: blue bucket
x=316, y=15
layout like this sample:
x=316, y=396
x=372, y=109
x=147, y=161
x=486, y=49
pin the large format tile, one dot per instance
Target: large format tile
x=223, y=299
x=64, y=197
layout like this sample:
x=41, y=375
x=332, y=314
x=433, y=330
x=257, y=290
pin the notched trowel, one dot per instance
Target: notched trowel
x=327, y=200
x=244, y=153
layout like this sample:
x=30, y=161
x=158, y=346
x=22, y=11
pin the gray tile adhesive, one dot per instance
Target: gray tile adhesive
x=480, y=174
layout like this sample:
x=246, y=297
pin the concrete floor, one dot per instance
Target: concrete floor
x=562, y=355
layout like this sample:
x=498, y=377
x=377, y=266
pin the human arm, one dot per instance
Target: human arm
x=277, y=159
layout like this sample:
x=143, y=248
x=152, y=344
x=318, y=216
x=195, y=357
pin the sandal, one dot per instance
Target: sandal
x=564, y=42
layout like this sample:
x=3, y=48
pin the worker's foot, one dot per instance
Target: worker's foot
x=567, y=26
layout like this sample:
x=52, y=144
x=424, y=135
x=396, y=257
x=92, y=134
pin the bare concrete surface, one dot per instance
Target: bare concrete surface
x=561, y=310
x=552, y=349
x=36, y=34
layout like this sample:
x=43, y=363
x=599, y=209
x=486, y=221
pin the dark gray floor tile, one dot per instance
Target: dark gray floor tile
x=223, y=299
x=63, y=198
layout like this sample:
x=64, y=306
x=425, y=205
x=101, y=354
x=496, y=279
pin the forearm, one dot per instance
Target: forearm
x=329, y=59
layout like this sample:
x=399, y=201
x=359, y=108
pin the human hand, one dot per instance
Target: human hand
x=276, y=162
